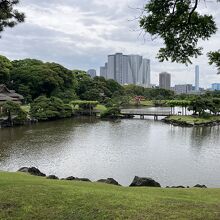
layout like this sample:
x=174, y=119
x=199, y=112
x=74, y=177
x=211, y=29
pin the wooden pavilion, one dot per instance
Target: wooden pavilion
x=9, y=95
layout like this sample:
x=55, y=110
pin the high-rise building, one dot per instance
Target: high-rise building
x=135, y=62
x=197, y=78
x=103, y=70
x=216, y=86
x=145, y=76
x=92, y=73
x=117, y=67
x=127, y=69
x=164, y=80
x=183, y=89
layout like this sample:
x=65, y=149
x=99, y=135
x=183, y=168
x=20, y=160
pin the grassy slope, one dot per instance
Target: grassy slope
x=27, y=197
x=193, y=120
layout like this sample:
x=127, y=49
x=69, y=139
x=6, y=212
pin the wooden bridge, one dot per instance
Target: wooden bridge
x=146, y=112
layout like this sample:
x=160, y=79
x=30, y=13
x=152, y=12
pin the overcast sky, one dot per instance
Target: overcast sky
x=79, y=34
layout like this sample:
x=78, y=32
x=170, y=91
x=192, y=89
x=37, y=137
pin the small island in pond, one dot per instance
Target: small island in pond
x=190, y=121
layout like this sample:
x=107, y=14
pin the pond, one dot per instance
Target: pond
x=92, y=148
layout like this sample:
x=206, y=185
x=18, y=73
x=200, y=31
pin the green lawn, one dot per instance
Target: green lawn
x=27, y=197
x=193, y=120
x=101, y=108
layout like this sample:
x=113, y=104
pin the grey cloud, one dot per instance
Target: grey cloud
x=92, y=29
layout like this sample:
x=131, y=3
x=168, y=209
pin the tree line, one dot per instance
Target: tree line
x=51, y=89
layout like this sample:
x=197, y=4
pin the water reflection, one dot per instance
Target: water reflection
x=87, y=147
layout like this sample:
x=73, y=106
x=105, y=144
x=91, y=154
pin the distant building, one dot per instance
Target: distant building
x=216, y=86
x=127, y=69
x=183, y=89
x=197, y=78
x=9, y=95
x=164, y=80
x=103, y=70
x=92, y=73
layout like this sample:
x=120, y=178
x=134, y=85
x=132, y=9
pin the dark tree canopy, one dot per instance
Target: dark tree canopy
x=9, y=17
x=181, y=26
x=5, y=66
x=214, y=58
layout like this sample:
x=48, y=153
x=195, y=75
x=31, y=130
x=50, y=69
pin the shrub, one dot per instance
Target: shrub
x=113, y=112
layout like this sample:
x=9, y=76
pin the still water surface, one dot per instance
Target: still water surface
x=88, y=147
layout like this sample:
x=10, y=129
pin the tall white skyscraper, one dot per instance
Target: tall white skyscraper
x=145, y=73
x=135, y=62
x=197, y=78
x=127, y=69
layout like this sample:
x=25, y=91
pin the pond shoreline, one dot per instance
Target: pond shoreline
x=192, y=121
x=137, y=181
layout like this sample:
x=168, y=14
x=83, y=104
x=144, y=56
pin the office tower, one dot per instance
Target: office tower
x=117, y=67
x=111, y=67
x=164, y=80
x=183, y=89
x=92, y=73
x=216, y=86
x=145, y=73
x=103, y=70
x=197, y=78
x=127, y=69
x=135, y=62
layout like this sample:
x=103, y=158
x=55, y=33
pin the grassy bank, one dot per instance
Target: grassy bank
x=28, y=197
x=192, y=120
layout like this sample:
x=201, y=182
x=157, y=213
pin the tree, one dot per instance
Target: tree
x=214, y=58
x=44, y=109
x=14, y=109
x=9, y=17
x=33, y=78
x=5, y=66
x=113, y=112
x=180, y=26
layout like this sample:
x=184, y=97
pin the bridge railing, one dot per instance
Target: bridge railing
x=145, y=112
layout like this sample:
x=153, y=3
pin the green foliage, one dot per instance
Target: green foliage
x=202, y=104
x=9, y=17
x=11, y=107
x=113, y=112
x=159, y=103
x=193, y=120
x=33, y=78
x=121, y=101
x=179, y=25
x=134, y=90
x=97, y=89
x=84, y=104
x=214, y=58
x=158, y=94
x=21, y=118
x=66, y=96
x=149, y=93
x=44, y=108
x=101, y=108
x=5, y=66
x=181, y=103
x=14, y=109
